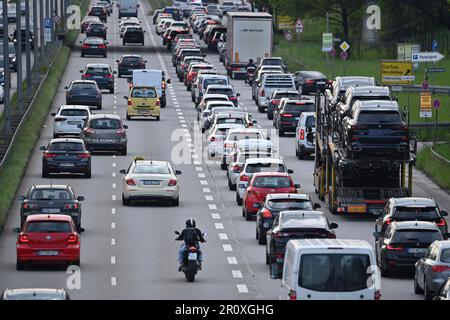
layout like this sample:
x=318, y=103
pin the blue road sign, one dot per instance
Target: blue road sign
x=47, y=23
x=434, y=46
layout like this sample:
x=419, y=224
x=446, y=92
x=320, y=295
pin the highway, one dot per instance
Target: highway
x=130, y=252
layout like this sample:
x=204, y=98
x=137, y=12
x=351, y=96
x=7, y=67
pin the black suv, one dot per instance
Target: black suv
x=68, y=155
x=96, y=29
x=84, y=92
x=275, y=99
x=375, y=129
x=285, y=118
x=51, y=199
x=273, y=205
x=403, y=244
x=133, y=34
x=128, y=63
x=98, y=11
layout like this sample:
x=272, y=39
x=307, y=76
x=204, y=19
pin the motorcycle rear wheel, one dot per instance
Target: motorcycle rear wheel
x=191, y=270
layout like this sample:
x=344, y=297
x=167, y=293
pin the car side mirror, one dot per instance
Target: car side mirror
x=81, y=71
x=444, y=213
x=268, y=138
x=43, y=148
x=333, y=225
x=114, y=72
x=145, y=61
x=290, y=171
x=53, y=114
x=81, y=230
x=238, y=94
x=377, y=234
x=79, y=126
x=125, y=97
x=317, y=206
x=255, y=121
x=125, y=126
x=123, y=171
x=297, y=186
x=106, y=42
x=177, y=232
x=80, y=198
x=177, y=172
x=81, y=42
x=66, y=88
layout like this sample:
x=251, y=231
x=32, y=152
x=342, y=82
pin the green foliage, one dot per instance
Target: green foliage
x=436, y=169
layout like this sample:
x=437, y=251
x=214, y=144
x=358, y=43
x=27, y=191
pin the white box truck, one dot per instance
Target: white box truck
x=151, y=78
x=249, y=36
x=128, y=8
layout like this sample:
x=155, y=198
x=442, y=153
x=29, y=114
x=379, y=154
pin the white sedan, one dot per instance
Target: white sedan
x=150, y=180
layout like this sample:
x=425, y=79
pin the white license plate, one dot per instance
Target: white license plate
x=47, y=253
x=151, y=182
x=320, y=82
x=417, y=250
x=94, y=47
x=51, y=210
x=67, y=165
x=106, y=140
x=192, y=256
x=74, y=123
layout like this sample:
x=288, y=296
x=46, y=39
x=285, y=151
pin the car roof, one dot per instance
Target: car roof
x=420, y=225
x=215, y=95
x=330, y=244
x=286, y=91
x=445, y=244
x=377, y=105
x=31, y=293
x=264, y=160
x=303, y=219
x=49, y=217
x=414, y=202
x=300, y=196
x=271, y=174
x=345, y=82
x=302, y=99
x=227, y=125
x=220, y=86
x=308, y=114
x=214, y=76
x=63, y=107
x=222, y=102
x=84, y=81
x=51, y=186
x=73, y=140
x=369, y=90
x=247, y=130
x=106, y=116
x=131, y=56
x=97, y=65
x=152, y=162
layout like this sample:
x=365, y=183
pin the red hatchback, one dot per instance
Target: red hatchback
x=262, y=184
x=48, y=239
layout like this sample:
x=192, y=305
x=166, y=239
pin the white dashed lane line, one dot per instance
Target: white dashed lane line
x=113, y=241
x=113, y=281
x=242, y=288
x=113, y=210
x=227, y=248
x=212, y=206
x=237, y=274
x=218, y=226
x=232, y=260
x=215, y=216
x=113, y=260
x=113, y=225
x=114, y=197
x=223, y=236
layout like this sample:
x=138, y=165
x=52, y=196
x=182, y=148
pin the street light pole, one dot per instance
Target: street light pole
x=19, y=57
x=6, y=70
x=27, y=47
x=41, y=24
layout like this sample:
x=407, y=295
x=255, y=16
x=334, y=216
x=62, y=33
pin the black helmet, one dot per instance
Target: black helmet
x=190, y=223
x=250, y=61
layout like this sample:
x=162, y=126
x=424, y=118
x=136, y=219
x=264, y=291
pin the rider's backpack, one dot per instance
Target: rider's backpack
x=191, y=236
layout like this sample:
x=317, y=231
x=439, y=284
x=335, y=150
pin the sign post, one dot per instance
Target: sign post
x=436, y=105
x=344, y=55
x=48, y=30
x=425, y=104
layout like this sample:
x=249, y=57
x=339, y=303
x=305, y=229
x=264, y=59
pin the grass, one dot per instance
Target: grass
x=159, y=4
x=443, y=150
x=436, y=169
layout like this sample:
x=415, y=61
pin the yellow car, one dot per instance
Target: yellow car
x=143, y=102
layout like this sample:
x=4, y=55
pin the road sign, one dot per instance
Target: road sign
x=436, y=104
x=434, y=46
x=285, y=22
x=425, y=105
x=288, y=35
x=427, y=57
x=299, y=26
x=396, y=72
x=434, y=70
x=327, y=42
x=344, y=55
x=405, y=51
x=47, y=23
x=344, y=46
x=47, y=30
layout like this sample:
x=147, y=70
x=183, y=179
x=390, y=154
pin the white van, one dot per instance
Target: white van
x=128, y=8
x=151, y=78
x=330, y=269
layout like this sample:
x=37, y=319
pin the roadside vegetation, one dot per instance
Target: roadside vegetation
x=433, y=166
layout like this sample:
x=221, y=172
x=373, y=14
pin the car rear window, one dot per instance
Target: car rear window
x=445, y=255
x=272, y=182
x=379, y=117
x=208, y=82
x=197, y=68
x=278, y=96
x=151, y=169
x=273, y=62
x=66, y=146
x=228, y=92
x=84, y=86
x=293, y=107
x=408, y=213
x=105, y=124
x=414, y=236
x=97, y=70
x=265, y=167
x=230, y=120
x=96, y=25
x=49, y=194
x=310, y=122
x=290, y=204
x=94, y=40
x=74, y=113
x=247, y=135
x=144, y=93
x=334, y=272
x=132, y=59
x=48, y=227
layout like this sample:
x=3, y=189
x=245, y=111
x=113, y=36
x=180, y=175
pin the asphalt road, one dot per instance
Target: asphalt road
x=130, y=252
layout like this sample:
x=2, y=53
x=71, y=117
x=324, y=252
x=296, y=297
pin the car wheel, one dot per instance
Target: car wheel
x=261, y=238
x=267, y=258
x=280, y=133
x=123, y=152
x=385, y=272
x=261, y=109
x=111, y=90
x=231, y=186
x=157, y=118
x=20, y=265
x=105, y=55
x=248, y=216
x=269, y=116
x=128, y=117
x=428, y=293
x=244, y=213
x=45, y=173
x=299, y=154
x=82, y=55
x=223, y=166
x=119, y=75
x=176, y=202
x=99, y=107
x=417, y=288
x=125, y=202
x=238, y=199
x=88, y=173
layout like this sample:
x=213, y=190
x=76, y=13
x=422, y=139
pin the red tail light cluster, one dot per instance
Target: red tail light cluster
x=236, y=168
x=292, y=295
x=310, y=81
x=440, y=268
x=69, y=206
x=302, y=134
x=23, y=238
x=244, y=178
x=172, y=183
x=392, y=248
x=121, y=131
x=27, y=205
x=89, y=130
x=86, y=46
x=359, y=127
x=262, y=93
x=102, y=46
x=286, y=115
x=441, y=223
x=109, y=76
x=130, y=182
x=50, y=155
x=265, y=213
x=85, y=155
x=73, y=239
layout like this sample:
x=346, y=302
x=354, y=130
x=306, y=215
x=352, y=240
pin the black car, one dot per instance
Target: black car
x=94, y=46
x=23, y=35
x=128, y=63
x=51, y=199
x=66, y=155
x=12, y=55
x=133, y=34
x=175, y=12
x=375, y=129
x=99, y=11
x=100, y=73
x=403, y=244
x=96, y=29
x=276, y=98
x=273, y=205
x=84, y=92
x=295, y=225
x=308, y=82
x=288, y=112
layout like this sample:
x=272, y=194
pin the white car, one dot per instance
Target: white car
x=69, y=120
x=126, y=24
x=204, y=115
x=211, y=97
x=216, y=136
x=150, y=180
x=234, y=137
x=163, y=25
x=2, y=94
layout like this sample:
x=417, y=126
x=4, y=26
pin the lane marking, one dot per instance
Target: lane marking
x=218, y=226
x=114, y=174
x=212, y=206
x=114, y=186
x=113, y=225
x=204, y=182
x=113, y=281
x=206, y=190
x=227, y=248
x=113, y=211
x=237, y=274
x=223, y=236
x=232, y=260
x=242, y=288
x=113, y=241
x=113, y=260
x=198, y=168
x=215, y=216
x=209, y=198
x=201, y=175
x=114, y=198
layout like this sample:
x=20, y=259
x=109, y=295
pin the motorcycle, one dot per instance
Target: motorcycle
x=190, y=260
x=251, y=72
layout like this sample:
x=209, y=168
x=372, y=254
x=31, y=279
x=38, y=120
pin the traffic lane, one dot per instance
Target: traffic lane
x=95, y=214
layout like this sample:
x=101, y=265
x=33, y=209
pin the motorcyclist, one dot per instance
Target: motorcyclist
x=251, y=64
x=190, y=236
x=250, y=69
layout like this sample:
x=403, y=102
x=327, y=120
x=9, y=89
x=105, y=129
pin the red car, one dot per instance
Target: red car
x=262, y=184
x=48, y=239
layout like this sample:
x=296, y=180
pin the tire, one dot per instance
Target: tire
x=105, y=55
x=261, y=109
x=111, y=90
x=125, y=202
x=191, y=269
x=123, y=43
x=269, y=116
x=231, y=186
x=238, y=200
x=417, y=288
x=248, y=216
x=223, y=166
x=119, y=75
x=299, y=154
x=280, y=133
x=261, y=238
x=428, y=294
x=45, y=173
x=88, y=174
x=128, y=117
x=157, y=118
x=20, y=265
x=82, y=55
x=267, y=258
x=99, y=107
x=176, y=202
x=244, y=213
x=124, y=151
x=385, y=272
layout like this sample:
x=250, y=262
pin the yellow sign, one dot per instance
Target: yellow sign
x=285, y=22
x=394, y=72
x=425, y=105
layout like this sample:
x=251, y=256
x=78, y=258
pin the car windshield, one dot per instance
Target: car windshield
x=411, y=213
x=290, y=204
x=414, y=236
x=143, y=93
x=445, y=255
x=334, y=272
x=74, y=113
x=106, y=124
x=50, y=194
x=293, y=107
x=244, y=135
x=48, y=227
x=83, y=86
x=151, y=169
x=272, y=182
x=97, y=70
x=208, y=82
x=265, y=167
x=66, y=146
x=379, y=117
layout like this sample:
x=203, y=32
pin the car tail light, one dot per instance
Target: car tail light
x=301, y=103
x=244, y=178
x=404, y=138
x=23, y=238
x=388, y=221
x=262, y=93
x=292, y=295
x=27, y=205
x=192, y=249
x=359, y=127
x=440, y=268
x=232, y=98
x=73, y=238
x=157, y=103
x=129, y=102
x=109, y=76
x=172, y=183
x=236, y=168
x=389, y=247
x=212, y=139
x=87, y=75
x=280, y=235
x=441, y=223
x=330, y=81
x=310, y=81
x=89, y=130
x=286, y=115
x=86, y=46
x=355, y=138
x=400, y=127
x=227, y=145
x=265, y=213
x=377, y=295
x=50, y=155
x=60, y=119
x=130, y=182
x=71, y=206
x=121, y=131
x=102, y=46
x=302, y=134
x=85, y=155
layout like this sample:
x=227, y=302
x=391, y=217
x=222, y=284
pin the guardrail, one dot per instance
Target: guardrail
x=27, y=112
x=439, y=157
x=420, y=125
x=419, y=88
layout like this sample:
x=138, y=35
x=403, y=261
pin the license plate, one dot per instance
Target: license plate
x=143, y=112
x=98, y=77
x=47, y=253
x=320, y=82
x=106, y=140
x=94, y=47
x=51, y=210
x=356, y=209
x=74, y=123
x=67, y=164
x=192, y=256
x=417, y=250
x=151, y=182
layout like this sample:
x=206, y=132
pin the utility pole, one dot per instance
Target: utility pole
x=19, y=57
x=6, y=70
x=41, y=31
x=35, y=33
x=52, y=13
x=27, y=48
x=327, y=53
